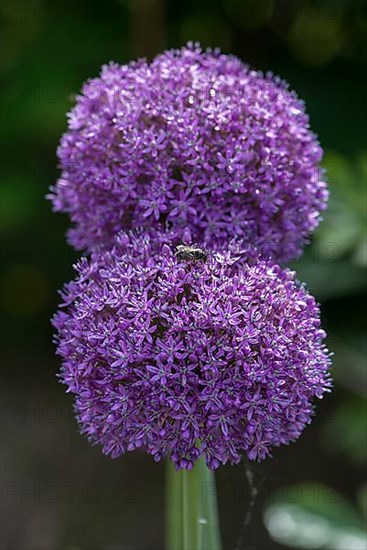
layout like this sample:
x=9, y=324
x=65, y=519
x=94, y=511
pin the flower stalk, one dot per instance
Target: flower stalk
x=192, y=521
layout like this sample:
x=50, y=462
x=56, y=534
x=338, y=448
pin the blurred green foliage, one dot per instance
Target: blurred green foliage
x=51, y=46
x=334, y=264
x=315, y=516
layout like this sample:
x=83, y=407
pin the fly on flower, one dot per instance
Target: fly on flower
x=191, y=253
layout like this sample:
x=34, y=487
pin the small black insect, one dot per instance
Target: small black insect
x=191, y=253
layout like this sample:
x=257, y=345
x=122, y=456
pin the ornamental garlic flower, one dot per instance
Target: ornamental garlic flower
x=185, y=357
x=193, y=141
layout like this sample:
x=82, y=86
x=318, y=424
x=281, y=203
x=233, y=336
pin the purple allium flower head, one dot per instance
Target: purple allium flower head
x=193, y=141
x=188, y=358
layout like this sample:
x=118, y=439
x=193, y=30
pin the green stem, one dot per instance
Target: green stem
x=174, y=511
x=192, y=521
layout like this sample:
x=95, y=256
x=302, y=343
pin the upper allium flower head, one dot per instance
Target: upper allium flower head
x=189, y=358
x=194, y=141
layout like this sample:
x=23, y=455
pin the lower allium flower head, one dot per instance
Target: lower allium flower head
x=186, y=358
x=192, y=140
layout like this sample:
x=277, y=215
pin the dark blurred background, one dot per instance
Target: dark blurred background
x=57, y=490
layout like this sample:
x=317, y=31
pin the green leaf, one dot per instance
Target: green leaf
x=342, y=232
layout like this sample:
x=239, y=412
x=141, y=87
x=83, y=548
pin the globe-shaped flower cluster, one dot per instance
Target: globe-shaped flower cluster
x=184, y=338
x=189, y=358
x=195, y=144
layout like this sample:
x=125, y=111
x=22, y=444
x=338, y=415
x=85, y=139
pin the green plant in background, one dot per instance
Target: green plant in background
x=349, y=419
x=334, y=265
x=314, y=516
x=346, y=219
x=42, y=70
